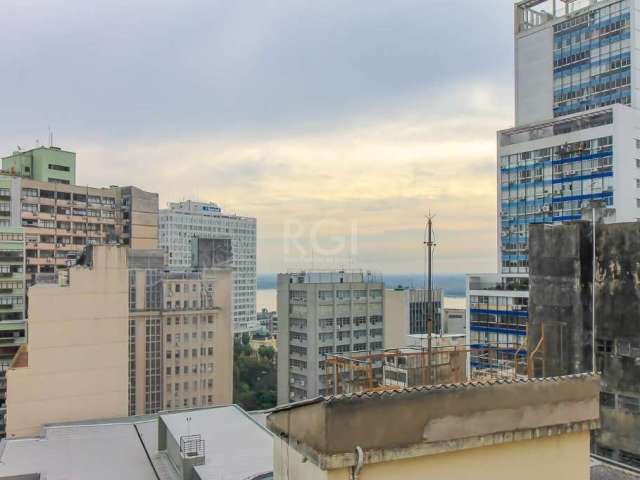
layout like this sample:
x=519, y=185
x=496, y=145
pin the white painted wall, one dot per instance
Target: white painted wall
x=534, y=75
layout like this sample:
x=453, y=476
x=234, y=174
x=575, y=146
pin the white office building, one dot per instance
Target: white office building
x=183, y=222
x=576, y=141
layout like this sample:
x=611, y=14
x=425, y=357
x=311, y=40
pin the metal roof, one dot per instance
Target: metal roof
x=237, y=448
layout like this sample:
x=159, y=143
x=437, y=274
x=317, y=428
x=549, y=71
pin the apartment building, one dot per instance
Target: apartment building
x=322, y=313
x=74, y=366
x=575, y=144
x=183, y=222
x=180, y=335
x=39, y=193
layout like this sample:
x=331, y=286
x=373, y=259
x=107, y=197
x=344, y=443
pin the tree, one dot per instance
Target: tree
x=267, y=353
x=254, y=377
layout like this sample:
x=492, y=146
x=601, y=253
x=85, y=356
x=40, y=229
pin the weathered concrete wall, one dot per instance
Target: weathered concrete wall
x=434, y=420
x=561, y=298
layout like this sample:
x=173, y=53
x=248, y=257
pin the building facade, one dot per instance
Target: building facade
x=183, y=222
x=45, y=164
x=562, y=317
x=180, y=336
x=406, y=311
x=74, y=366
x=321, y=313
x=575, y=142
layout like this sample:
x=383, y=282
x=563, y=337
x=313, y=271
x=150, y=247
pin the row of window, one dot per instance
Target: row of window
x=204, y=351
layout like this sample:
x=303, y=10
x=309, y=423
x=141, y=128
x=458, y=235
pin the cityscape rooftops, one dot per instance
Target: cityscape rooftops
x=233, y=446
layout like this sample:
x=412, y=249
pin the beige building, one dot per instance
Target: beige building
x=60, y=219
x=180, y=336
x=74, y=366
x=530, y=429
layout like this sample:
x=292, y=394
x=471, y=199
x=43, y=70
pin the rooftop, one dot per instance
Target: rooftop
x=428, y=420
x=334, y=276
x=236, y=447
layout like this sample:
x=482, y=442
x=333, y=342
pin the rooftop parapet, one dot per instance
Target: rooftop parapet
x=534, y=13
x=430, y=420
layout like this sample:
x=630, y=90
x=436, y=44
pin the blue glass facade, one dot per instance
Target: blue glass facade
x=549, y=185
x=498, y=330
x=592, y=60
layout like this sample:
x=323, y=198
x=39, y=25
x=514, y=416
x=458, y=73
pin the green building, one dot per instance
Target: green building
x=45, y=164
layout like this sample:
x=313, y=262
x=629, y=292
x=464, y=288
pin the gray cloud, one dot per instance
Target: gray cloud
x=164, y=69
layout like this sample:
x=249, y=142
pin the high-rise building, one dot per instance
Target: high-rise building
x=575, y=142
x=180, y=335
x=38, y=192
x=184, y=222
x=321, y=313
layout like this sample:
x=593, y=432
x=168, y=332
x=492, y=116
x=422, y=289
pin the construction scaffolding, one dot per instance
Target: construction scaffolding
x=393, y=369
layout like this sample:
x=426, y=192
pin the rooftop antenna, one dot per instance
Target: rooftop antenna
x=429, y=244
x=50, y=136
x=188, y=419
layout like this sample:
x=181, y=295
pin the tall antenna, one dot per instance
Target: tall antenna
x=429, y=245
x=50, y=136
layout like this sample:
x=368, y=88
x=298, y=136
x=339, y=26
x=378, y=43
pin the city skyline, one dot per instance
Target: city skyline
x=388, y=110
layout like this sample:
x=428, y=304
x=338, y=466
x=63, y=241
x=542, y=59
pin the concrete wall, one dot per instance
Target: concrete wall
x=77, y=352
x=436, y=420
x=534, y=75
x=396, y=318
x=560, y=298
x=565, y=457
x=223, y=339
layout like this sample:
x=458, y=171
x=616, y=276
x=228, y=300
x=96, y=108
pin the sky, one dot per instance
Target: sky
x=337, y=124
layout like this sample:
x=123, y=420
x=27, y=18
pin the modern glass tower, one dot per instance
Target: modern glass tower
x=576, y=139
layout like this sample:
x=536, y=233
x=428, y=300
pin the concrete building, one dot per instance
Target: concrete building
x=180, y=335
x=74, y=366
x=537, y=428
x=574, y=140
x=201, y=444
x=406, y=311
x=140, y=213
x=183, y=222
x=38, y=192
x=561, y=316
x=45, y=164
x=320, y=313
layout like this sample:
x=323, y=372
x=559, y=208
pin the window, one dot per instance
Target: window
x=63, y=168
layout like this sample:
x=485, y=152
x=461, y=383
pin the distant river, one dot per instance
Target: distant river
x=266, y=298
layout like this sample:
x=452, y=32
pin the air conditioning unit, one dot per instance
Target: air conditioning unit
x=572, y=172
x=546, y=208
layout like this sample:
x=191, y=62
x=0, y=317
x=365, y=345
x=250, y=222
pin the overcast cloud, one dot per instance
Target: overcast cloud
x=371, y=112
